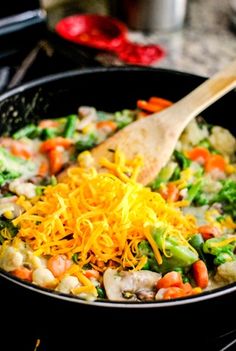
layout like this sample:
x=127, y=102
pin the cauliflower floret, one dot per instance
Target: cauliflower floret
x=226, y=272
x=211, y=185
x=34, y=261
x=44, y=277
x=192, y=134
x=26, y=189
x=86, y=160
x=11, y=259
x=67, y=283
x=223, y=141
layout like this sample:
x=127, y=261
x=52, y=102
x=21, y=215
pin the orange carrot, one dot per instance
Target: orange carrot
x=23, y=273
x=170, y=193
x=147, y=106
x=48, y=123
x=160, y=101
x=107, y=124
x=58, y=265
x=187, y=288
x=92, y=273
x=215, y=162
x=208, y=231
x=20, y=150
x=170, y=279
x=173, y=292
x=56, y=160
x=199, y=153
x=200, y=274
x=53, y=143
x=43, y=168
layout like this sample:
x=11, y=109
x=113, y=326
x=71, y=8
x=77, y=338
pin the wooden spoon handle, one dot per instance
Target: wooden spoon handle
x=202, y=97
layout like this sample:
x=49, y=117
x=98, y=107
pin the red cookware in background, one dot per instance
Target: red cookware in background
x=107, y=33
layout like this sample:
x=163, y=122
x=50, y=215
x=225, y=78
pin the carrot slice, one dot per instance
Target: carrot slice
x=55, y=160
x=160, y=101
x=208, y=231
x=43, y=168
x=170, y=279
x=215, y=162
x=199, y=153
x=48, y=123
x=53, y=143
x=23, y=273
x=147, y=106
x=170, y=193
x=173, y=293
x=200, y=274
x=107, y=124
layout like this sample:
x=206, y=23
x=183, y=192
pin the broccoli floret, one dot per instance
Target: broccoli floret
x=86, y=142
x=222, y=252
x=12, y=167
x=227, y=196
x=182, y=160
x=179, y=255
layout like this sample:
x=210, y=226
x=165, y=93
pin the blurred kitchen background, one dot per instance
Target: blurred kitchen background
x=196, y=36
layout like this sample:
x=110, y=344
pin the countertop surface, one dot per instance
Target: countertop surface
x=204, y=45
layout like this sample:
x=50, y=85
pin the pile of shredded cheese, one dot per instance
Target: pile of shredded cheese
x=100, y=216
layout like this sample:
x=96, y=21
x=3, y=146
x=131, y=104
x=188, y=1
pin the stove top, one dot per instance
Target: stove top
x=47, y=55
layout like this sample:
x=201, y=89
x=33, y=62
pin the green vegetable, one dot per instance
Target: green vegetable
x=25, y=131
x=101, y=292
x=13, y=167
x=86, y=142
x=176, y=174
x=205, y=143
x=103, y=116
x=70, y=126
x=194, y=190
x=6, y=176
x=48, y=133
x=200, y=199
x=182, y=160
x=196, y=241
x=146, y=250
x=5, y=224
x=227, y=196
x=222, y=253
x=164, y=175
x=178, y=255
x=123, y=118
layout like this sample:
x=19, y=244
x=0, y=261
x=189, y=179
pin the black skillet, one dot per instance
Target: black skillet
x=112, y=89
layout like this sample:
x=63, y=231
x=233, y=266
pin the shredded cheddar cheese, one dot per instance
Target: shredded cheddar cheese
x=100, y=216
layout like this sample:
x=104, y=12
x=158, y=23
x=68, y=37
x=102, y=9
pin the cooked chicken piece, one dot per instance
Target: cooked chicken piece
x=132, y=285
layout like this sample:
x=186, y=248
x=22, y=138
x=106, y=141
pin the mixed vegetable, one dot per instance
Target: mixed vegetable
x=103, y=235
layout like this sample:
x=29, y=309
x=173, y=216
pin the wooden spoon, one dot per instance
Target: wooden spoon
x=155, y=137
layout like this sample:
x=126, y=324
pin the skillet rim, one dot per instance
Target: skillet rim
x=207, y=295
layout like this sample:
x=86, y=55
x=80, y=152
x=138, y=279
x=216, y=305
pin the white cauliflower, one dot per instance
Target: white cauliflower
x=26, y=189
x=44, y=277
x=67, y=284
x=226, y=272
x=192, y=134
x=223, y=141
x=12, y=259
